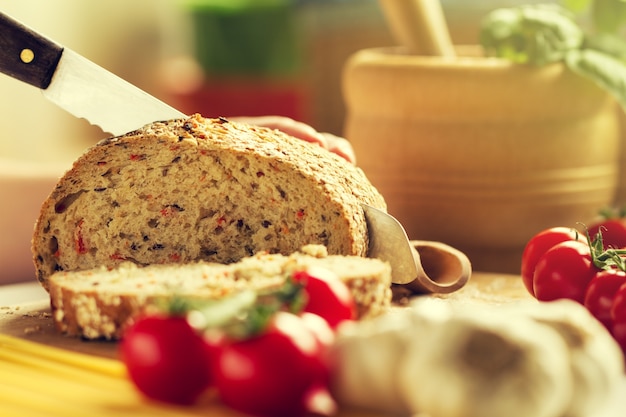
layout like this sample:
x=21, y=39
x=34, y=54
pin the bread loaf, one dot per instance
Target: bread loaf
x=200, y=189
x=99, y=303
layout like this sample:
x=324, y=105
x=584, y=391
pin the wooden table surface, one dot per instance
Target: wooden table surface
x=33, y=322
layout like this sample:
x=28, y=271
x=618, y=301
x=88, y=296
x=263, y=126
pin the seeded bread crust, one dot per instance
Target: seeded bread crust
x=100, y=303
x=200, y=189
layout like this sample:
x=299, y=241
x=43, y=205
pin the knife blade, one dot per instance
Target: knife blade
x=76, y=84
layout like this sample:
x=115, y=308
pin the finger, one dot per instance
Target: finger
x=341, y=147
x=287, y=125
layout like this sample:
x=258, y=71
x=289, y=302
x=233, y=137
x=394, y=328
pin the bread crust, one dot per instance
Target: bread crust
x=200, y=189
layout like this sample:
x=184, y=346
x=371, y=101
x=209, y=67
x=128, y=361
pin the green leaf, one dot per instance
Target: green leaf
x=217, y=313
x=541, y=34
x=245, y=313
x=606, y=71
x=609, y=44
x=536, y=34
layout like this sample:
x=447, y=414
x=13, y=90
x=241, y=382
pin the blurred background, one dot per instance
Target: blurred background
x=216, y=57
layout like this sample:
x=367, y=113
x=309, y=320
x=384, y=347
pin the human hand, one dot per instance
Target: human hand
x=303, y=131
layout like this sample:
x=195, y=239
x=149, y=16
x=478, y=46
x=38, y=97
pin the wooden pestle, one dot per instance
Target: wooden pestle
x=419, y=25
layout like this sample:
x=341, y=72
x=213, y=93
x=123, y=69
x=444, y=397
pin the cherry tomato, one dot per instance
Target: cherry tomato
x=214, y=342
x=274, y=373
x=327, y=295
x=601, y=292
x=564, y=271
x=538, y=245
x=319, y=401
x=320, y=328
x=166, y=359
x=613, y=233
x=618, y=317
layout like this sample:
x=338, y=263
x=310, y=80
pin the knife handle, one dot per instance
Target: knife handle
x=26, y=55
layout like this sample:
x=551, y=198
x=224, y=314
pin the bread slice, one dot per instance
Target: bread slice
x=200, y=189
x=100, y=303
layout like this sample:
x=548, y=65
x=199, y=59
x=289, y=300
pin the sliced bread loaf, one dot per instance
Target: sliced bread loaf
x=100, y=303
x=200, y=189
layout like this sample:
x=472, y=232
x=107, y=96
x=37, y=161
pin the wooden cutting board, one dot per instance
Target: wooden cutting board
x=33, y=321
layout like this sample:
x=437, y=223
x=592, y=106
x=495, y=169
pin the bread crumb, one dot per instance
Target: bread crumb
x=37, y=314
x=317, y=251
x=32, y=329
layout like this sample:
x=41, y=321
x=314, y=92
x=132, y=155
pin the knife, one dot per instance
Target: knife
x=76, y=84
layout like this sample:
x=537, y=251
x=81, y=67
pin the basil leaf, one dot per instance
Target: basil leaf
x=606, y=71
x=535, y=34
x=609, y=44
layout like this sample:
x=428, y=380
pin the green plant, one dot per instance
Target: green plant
x=541, y=34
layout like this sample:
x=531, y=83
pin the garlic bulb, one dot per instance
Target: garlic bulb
x=447, y=359
x=596, y=360
x=367, y=357
x=479, y=365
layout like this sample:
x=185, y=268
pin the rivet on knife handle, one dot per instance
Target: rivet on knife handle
x=26, y=55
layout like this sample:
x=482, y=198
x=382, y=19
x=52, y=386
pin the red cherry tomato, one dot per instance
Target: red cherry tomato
x=166, y=359
x=564, y=271
x=601, y=292
x=618, y=317
x=538, y=245
x=274, y=373
x=327, y=295
x=320, y=328
x=613, y=233
x=214, y=342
